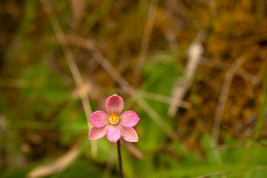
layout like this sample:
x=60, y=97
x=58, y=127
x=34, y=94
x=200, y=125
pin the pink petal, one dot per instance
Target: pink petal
x=98, y=119
x=114, y=104
x=113, y=133
x=129, y=119
x=97, y=133
x=129, y=134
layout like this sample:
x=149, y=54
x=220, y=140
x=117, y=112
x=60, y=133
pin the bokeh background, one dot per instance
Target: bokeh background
x=194, y=71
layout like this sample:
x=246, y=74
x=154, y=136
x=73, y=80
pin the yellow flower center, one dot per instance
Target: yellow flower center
x=114, y=118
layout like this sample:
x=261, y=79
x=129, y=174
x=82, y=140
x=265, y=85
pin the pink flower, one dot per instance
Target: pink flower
x=113, y=124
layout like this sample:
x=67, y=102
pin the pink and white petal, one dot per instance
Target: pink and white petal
x=129, y=134
x=114, y=104
x=129, y=119
x=98, y=119
x=113, y=133
x=97, y=133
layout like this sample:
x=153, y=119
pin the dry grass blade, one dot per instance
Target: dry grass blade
x=217, y=157
x=57, y=165
x=222, y=66
x=223, y=98
x=156, y=118
x=78, y=10
x=89, y=45
x=145, y=42
x=216, y=64
x=162, y=98
x=180, y=88
x=72, y=65
x=134, y=150
x=221, y=104
x=248, y=76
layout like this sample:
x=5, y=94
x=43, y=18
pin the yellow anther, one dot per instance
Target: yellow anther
x=114, y=118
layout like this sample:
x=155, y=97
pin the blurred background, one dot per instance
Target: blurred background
x=194, y=71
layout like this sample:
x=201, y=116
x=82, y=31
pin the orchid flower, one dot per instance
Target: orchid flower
x=113, y=124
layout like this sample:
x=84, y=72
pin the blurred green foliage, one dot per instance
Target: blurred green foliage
x=41, y=115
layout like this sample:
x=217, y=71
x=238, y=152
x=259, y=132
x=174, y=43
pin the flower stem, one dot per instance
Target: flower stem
x=119, y=157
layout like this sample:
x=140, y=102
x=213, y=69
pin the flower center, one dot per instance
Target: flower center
x=114, y=118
